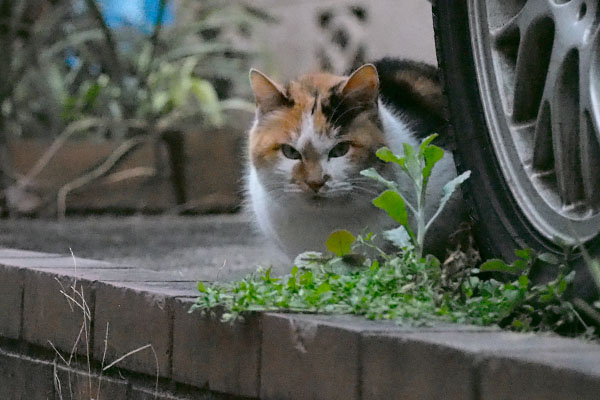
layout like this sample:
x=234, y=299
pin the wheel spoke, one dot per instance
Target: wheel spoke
x=533, y=61
x=588, y=72
x=589, y=117
x=565, y=114
x=590, y=162
x=543, y=153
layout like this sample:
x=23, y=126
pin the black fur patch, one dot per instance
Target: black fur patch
x=286, y=99
x=340, y=111
x=424, y=113
x=314, y=107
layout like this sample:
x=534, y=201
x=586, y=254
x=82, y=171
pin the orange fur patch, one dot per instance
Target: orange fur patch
x=277, y=128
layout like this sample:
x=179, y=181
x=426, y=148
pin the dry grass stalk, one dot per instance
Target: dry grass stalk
x=76, y=299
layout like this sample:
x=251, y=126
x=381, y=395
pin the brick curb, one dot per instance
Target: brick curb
x=270, y=355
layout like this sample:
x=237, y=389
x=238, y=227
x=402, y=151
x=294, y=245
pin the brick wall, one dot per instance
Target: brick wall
x=62, y=328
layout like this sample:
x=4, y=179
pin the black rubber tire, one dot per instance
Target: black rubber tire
x=500, y=226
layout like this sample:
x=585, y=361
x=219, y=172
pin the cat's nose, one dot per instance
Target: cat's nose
x=317, y=184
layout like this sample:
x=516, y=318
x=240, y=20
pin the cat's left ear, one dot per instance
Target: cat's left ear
x=363, y=84
x=268, y=95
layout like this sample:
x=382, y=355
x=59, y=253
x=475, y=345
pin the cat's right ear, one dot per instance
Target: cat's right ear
x=267, y=94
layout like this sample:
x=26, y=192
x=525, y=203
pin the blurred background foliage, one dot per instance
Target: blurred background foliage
x=150, y=64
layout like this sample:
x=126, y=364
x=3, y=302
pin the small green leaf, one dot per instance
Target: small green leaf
x=520, y=265
x=525, y=253
x=450, y=187
x=324, y=288
x=562, y=286
x=549, y=258
x=496, y=265
x=517, y=324
x=201, y=287
x=399, y=237
x=373, y=174
x=375, y=266
x=432, y=155
x=412, y=165
x=92, y=94
x=523, y=281
x=385, y=154
x=209, y=100
x=426, y=142
x=392, y=203
x=340, y=242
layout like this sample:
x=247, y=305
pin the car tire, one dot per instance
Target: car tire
x=515, y=202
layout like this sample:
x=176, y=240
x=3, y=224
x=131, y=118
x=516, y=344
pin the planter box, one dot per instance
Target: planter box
x=197, y=172
x=213, y=171
x=113, y=192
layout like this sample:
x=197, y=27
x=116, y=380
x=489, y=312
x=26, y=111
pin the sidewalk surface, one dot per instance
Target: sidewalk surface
x=224, y=244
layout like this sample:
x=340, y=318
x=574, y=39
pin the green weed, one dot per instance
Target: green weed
x=418, y=166
x=404, y=288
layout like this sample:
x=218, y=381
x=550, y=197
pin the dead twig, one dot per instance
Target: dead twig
x=98, y=172
x=131, y=173
x=132, y=352
x=103, y=360
x=57, y=144
x=589, y=311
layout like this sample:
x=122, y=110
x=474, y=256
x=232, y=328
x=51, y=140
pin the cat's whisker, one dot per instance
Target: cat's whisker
x=343, y=189
x=366, y=190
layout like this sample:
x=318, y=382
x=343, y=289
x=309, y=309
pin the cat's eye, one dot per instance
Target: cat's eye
x=290, y=152
x=339, y=149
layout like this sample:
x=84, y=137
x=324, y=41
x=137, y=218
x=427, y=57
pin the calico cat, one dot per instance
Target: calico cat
x=311, y=138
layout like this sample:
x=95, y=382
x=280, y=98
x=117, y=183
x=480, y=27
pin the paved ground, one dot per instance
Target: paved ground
x=185, y=244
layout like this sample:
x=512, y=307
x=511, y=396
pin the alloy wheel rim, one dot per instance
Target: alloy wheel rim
x=537, y=64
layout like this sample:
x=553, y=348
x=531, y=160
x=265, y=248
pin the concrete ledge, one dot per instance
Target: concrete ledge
x=270, y=355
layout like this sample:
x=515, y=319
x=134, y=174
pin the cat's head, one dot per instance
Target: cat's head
x=311, y=138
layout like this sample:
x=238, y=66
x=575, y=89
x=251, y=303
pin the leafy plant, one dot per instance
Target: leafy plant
x=418, y=166
x=591, y=311
x=538, y=305
x=171, y=75
x=400, y=287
